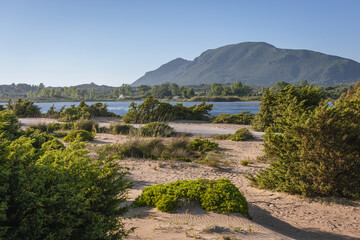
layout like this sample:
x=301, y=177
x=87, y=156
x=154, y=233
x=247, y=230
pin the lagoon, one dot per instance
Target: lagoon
x=121, y=108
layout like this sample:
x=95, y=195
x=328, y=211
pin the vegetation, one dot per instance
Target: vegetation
x=275, y=106
x=156, y=129
x=213, y=195
x=52, y=191
x=24, y=108
x=83, y=111
x=80, y=135
x=242, y=134
x=152, y=110
x=204, y=145
x=317, y=152
x=124, y=129
x=244, y=118
x=177, y=149
x=87, y=125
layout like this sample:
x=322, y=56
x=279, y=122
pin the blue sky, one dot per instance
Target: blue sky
x=111, y=42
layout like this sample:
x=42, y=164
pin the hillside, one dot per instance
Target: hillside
x=255, y=64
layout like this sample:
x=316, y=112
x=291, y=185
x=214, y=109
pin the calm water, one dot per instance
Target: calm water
x=122, y=107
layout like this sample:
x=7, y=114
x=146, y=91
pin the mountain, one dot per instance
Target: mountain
x=255, y=64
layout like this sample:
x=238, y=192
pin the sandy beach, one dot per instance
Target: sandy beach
x=274, y=215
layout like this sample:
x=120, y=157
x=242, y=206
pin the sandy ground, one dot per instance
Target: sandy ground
x=274, y=215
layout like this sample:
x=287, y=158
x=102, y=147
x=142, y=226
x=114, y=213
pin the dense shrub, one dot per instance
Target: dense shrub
x=318, y=153
x=152, y=110
x=203, y=145
x=241, y=118
x=213, y=195
x=24, y=108
x=52, y=192
x=82, y=111
x=87, y=125
x=80, y=135
x=148, y=149
x=48, y=128
x=275, y=105
x=242, y=134
x=9, y=125
x=124, y=129
x=156, y=129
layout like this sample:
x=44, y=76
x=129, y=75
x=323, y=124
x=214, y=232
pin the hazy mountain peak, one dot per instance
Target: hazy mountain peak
x=255, y=64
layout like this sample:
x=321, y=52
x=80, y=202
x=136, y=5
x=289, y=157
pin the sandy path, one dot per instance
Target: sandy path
x=197, y=128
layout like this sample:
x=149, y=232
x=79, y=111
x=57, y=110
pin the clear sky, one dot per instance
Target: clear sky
x=111, y=42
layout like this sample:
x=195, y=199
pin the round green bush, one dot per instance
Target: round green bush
x=156, y=129
x=124, y=129
x=80, y=135
x=203, y=145
x=213, y=195
x=242, y=134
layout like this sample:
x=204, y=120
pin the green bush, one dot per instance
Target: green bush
x=241, y=118
x=317, y=154
x=24, y=108
x=87, y=125
x=52, y=192
x=213, y=195
x=152, y=110
x=242, y=134
x=177, y=149
x=82, y=111
x=124, y=129
x=274, y=105
x=9, y=125
x=203, y=145
x=67, y=126
x=80, y=135
x=156, y=129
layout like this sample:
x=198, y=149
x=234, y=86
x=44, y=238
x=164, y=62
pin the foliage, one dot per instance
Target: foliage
x=9, y=125
x=244, y=117
x=213, y=195
x=152, y=110
x=87, y=125
x=24, y=108
x=203, y=145
x=156, y=129
x=178, y=149
x=317, y=154
x=83, y=111
x=124, y=129
x=242, y=134
x=80, y=135
x=274, y=105
x=52, y=192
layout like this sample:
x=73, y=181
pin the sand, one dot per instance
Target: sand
x=274, y=215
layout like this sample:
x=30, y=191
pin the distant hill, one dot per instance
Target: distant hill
x=255, y=64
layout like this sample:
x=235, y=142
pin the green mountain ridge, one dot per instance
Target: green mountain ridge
x=255, y=64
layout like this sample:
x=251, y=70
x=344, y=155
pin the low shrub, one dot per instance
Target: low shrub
x=39, y=126
x=80, y=135
x=213, y=195
x=123, y=129
x=245, y=162
x=244, y=117
x=204, y=145
x=87, y=125
x=242, y=134
x=211, y=159
x=48, y=128
x=67, y=126
x=156, y=129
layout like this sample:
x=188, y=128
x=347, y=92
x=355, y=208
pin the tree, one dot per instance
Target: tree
x=318, y=152
x=49, y=191
x=216, y=89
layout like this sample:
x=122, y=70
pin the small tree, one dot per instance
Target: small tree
x=317, y=154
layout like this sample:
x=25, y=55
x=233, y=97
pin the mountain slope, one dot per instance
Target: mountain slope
x=255, y=64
